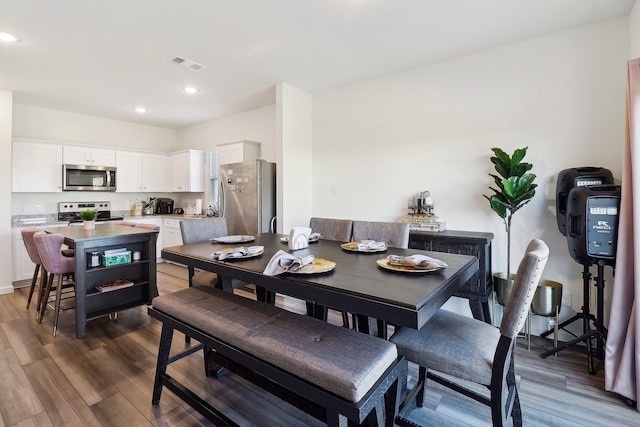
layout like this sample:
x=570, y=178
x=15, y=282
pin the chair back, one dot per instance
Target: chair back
x=524, y=287
x=394, y=234
x=201, y=230
x=50, y=250
x=30, y=244
x=332, y=229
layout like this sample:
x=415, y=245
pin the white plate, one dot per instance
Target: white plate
x=250, y=255
x=318, y=265
x=234, y=239
x=384, y=263
x=285, y=239
x=353, y=247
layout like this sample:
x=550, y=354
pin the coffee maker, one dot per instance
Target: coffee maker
x=164, y=206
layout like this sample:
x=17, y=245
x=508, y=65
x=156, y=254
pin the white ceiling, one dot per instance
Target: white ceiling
x=103, y=58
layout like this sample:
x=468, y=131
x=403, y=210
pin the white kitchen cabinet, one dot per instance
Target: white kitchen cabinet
x=237, y=152
x=36, y=166
x=84, y=155
x=172, y=235
x=141, y=172
x=129, y=171
x=187, y=171
x=154, y=172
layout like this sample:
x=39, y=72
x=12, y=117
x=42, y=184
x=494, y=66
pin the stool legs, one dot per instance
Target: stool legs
x=45, y=298
x=34, y=279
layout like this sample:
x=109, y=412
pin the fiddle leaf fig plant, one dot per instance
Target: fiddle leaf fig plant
x=514, y=189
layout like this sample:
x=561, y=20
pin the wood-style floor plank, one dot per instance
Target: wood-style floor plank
x=19, y=401
x=106, y=378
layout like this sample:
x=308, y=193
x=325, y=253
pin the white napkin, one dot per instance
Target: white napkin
x=315, y=236
x=367, y=245
x=283, y=261
x=238, y=252
x=417, y=261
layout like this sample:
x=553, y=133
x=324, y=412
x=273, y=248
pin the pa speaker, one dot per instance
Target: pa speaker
x=592, y=223
x=576, y=177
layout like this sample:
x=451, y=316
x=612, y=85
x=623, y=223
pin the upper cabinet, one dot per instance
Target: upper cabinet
x=187, y=171
x=237, y=152
x=83, y=155
x=142, y=172
x=36, y=166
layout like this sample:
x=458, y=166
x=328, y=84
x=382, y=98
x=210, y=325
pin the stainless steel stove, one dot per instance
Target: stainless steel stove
x=68, y=211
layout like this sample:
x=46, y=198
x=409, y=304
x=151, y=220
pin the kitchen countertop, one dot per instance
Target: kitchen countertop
x=35, y=220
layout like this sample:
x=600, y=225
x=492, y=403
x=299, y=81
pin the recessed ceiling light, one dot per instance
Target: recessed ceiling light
x=8, y=37
x=141, y=109
x=190, y=90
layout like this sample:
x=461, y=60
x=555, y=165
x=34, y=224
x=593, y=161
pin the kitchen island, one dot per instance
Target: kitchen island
x=91, y=303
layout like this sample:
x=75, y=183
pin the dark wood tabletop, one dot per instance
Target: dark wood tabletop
x=357, y=284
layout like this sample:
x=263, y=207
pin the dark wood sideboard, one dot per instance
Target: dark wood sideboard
x=478, y=290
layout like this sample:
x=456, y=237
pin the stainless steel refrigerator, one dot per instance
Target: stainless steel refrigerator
x=248, y=196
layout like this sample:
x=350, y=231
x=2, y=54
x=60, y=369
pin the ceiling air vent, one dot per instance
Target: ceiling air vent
x=187, y=63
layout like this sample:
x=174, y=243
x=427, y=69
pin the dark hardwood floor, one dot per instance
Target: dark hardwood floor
x=106, y=378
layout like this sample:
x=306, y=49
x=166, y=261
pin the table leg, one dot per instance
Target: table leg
x=480, y=310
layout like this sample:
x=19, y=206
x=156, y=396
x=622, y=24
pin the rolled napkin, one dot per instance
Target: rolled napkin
x=315, y=236
x=238, y=252
x=283, y=261
x=366, y=245
x=416, y=261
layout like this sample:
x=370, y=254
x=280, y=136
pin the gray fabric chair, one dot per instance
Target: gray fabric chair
x=339, y=230
x=394, y=234
x=473, y=351
x=201, y=230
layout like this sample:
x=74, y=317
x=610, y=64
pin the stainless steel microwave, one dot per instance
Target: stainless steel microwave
x=88, y=178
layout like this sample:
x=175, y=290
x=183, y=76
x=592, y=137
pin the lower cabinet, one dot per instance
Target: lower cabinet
x=172, y=235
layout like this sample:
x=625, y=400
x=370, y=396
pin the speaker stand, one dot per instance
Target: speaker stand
x=589, y=335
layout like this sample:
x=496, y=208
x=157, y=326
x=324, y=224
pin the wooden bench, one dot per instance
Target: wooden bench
x=335, y=374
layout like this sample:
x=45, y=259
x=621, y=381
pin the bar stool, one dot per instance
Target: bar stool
x=50, y=249
x=27, y=237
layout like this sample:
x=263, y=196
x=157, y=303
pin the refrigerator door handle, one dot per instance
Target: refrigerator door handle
x=223, y=205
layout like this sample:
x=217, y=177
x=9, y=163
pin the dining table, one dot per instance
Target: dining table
x=359, y=282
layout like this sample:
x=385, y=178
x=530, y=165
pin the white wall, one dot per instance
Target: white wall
x=6, y=101
x=295, y=161
x=634, y=31
x=254, y=125
x=432, y=128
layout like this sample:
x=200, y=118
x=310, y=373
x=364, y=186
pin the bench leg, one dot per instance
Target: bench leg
x=334, y=419
x=163, y=360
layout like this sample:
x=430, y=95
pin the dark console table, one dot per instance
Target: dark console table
x=477, y=289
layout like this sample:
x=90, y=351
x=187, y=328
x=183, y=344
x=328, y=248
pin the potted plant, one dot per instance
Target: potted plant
x=515, y=188
x=89, y=219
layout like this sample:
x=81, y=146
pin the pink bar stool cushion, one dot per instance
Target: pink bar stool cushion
x=50, y=247
x=27, y=237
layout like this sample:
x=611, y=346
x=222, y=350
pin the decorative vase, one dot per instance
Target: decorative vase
x=89, y=225
x=503, y=287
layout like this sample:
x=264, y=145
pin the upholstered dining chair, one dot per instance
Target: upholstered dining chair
x=395, y=235
x=32, y=251
x=472, y=351
x=339, y=230
x=49, y=248
x=202, y=230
